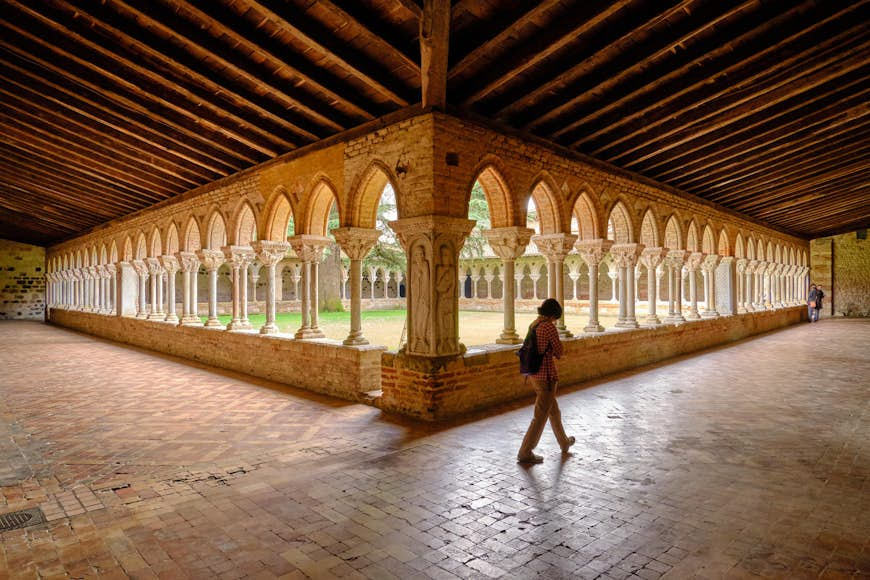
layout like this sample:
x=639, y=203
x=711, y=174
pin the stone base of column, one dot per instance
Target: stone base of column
x=742, y=310
x=268, y=329
x=509, y=337
x=171, y=318
x=674, y=319
x=651, y=321
x=245, y=324
x=355, y=339
x=308, y=333
x=142, y=316
x=235, y=325
x=156, y=316
x=627, y=323
x=710, y=314
x=591, y=328
x=565, y=333
x=213, y=323
x=190, y=321
x=693, y=315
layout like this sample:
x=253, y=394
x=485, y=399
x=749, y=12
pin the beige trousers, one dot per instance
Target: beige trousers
x=546, y=407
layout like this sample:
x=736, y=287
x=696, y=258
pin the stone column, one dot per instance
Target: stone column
x=535, y=275
x=741, y=264
x=309, y=249
x=518, y=278
x=432, y=244
x=593, y=252
x=509, y=244
x=212, y=261
x=651, y=258
x=574, y=275
x=269, y=254
x=156, y=272
x=373, y=277
x=356, y=244
x=711, y=262
x=189, y=264
x=254, y=271
x=345, y=276
x=625, y=257
x=489, y=276
x=693, y=264
x=238, y=257
x=171, y=266
x=613, y=274
x=555, y=247
x=141, y=269
x=675, y=261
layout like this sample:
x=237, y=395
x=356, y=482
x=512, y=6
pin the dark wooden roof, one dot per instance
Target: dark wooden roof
x=109, y=107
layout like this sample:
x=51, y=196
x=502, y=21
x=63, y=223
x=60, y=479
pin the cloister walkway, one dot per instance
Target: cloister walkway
x=750, y=460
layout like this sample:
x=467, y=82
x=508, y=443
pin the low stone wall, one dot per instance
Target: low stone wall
x=434, y=389
x=323, y=366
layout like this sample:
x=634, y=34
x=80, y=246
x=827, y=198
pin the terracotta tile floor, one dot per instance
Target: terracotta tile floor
x=749, y=461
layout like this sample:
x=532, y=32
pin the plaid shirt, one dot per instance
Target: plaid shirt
x=551, y=346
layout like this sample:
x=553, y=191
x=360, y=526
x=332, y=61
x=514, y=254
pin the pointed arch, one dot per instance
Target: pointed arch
x=739, y=250
x=366, y=195
x=549, y=207
x=279, y=216
x=192, y=238
x=320, y=202
x=708, y=240
x=791, y=257
x=692, y=238
x=769, y=254
x=497, y=193
x=244, y=229
x=156, y=245
x=724, y=247
x=649, y=230
x=94, y=255
x=217, y=231
x=113, y=253
x=804, y=258
x=619, y=226
x=750, y=248
x=585, y=213
x=66, y=262
x=171, y=247
x=141, y=247
x=673, y=234
x=104, y=254
x=777, y=253
x=128, y=249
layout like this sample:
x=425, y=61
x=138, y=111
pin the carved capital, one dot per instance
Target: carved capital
x=356, y=242
x=742, y=264
x=435, y=229
x=554, y=246
x=593, y=251
x=211, y=259
x=238, y=256
x=625, y=255
x=141, y=268
x=170, y=264
x=711, y=262
x=309, y=248
x=652, y=257
x=676, y=258
x=155, y=268
x=111, y=269
x=188, y=261
x=695, y=261
x=270, y=253
x=509, y=243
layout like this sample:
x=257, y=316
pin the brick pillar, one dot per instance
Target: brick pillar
x=508, y=244
x=356, y=244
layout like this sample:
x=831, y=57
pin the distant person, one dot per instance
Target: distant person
x=545, y=381
x=814, y=302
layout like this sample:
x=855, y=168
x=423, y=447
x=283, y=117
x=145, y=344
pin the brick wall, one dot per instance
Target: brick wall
x=22, y=281
x=841, y=264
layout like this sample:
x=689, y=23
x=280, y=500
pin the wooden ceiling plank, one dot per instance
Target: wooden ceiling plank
x=55, y=146
x=330, y=55
x=816, y=74
x=46, y=222
x=643, y=112
x=531, y=60
x=613, y=80
x=200, y=78
x=412, y=7
x=35, y=199
x=128, y=126
x=112, y=154
x=487, y=46
x=121, y=81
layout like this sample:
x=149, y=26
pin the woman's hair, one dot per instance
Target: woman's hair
x=550, y=307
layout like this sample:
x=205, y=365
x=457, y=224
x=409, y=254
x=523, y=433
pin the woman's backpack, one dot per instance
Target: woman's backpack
x=530, y=358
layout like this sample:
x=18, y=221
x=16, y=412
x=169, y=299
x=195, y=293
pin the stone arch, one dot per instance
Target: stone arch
x=141, y=247
x=549, y=207
x=739, y=251
x=94, y=256
x=791, y=258
x=278, y=218
x=128, y=249
x=619, y=226
x=649, y=230
x=750, y=248
x=777, y=253
x=113, y=253
x=708, y=240
x=66, y=262
x=724, y=247
x=367, y=195
x=673, y=234
x=769, y=254
x=171, y=246
x=320, y=202
x=244, y=228
x=192, y=240
x=692, y=238
x=498, y=195
x=216, y=237
x=585, y=211
x=104, y=254
x=803, y=258
x=156, y=245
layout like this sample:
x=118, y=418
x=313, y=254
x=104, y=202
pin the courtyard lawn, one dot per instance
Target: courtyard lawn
x=385, y=327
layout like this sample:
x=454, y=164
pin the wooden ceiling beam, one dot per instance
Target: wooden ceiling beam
x=62, y=131
x=47, y=223
x=651, y=105
x=523, y=63
x=266, y=7
x=213, y=52
x=153, y=142
x=39, y=199
x=623, y=47
x=812, y=76
x=117, y=79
